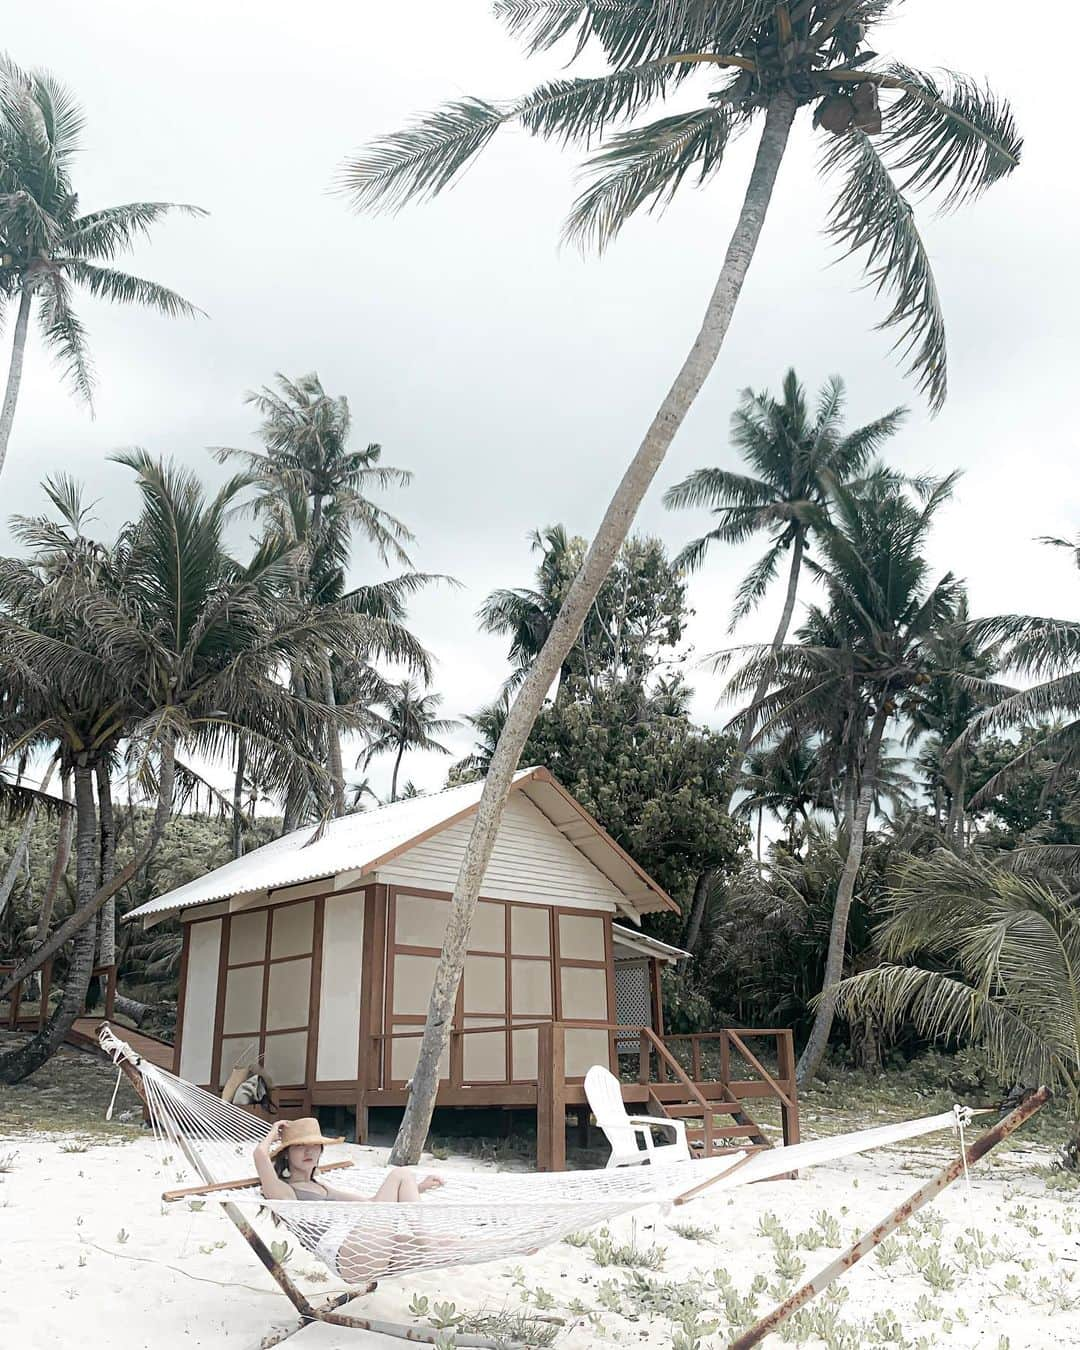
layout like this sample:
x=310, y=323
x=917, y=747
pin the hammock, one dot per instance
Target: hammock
x=475, y=1216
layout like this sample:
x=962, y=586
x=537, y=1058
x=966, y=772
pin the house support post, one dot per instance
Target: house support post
x=789, y=1107
x=551, y=1097
x=899, y=1216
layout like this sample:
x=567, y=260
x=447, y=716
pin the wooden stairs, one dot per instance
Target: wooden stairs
x=714, y=1128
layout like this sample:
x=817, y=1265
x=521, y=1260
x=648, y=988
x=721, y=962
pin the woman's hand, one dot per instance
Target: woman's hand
x=430, y=1183
x=272, y=1136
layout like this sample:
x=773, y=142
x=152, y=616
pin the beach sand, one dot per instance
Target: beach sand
x=89, y=1256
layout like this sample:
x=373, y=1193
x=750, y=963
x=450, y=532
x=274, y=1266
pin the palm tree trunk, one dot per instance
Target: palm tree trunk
x=954, y=829
x=598, y=561
x=760, y=822
x=14, y=379
x=333, y=741
x=834, y=962
x=238, y=800
x=61, y=859
x=397, y=766
x=779, y=637
x=11, y=874
x=84, y=913
x=692, y=929
x=18, y=1064
x=107, y=826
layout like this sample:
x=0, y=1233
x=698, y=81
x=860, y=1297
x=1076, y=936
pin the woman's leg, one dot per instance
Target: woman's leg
x=399, y=1188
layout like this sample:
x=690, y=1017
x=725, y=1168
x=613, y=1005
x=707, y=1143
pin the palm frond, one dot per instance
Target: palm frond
x=632, y=31
x=647, y=166
x=106, y=283
x=953, y=137
x=871, y=213
x=423, y=159
x=65, y=335
x=114, y=229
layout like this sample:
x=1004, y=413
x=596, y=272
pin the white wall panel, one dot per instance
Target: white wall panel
x=200, y=1001
x=339, y=991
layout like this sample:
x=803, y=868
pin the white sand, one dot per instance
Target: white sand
x=90, y=1257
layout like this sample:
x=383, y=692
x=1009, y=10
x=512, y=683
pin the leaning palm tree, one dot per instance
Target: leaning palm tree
x=795, y=458
x=48, y=246
x=990, y=958
x=860, y=653
x=410, y=723
x=763, y=60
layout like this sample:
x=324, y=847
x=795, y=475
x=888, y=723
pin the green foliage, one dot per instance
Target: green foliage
x=998, y=967
x=653, y=779
x=1030, y=797
x=637, y=617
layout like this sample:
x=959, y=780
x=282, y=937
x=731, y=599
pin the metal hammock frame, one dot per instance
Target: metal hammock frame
x=195, y=1122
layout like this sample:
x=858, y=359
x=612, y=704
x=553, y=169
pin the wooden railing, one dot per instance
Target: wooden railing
x=14, y=1012
x=15, y=1017
x=691, y=1070
x=698, y=1043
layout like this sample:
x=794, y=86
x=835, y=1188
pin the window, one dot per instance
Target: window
x=267, y=993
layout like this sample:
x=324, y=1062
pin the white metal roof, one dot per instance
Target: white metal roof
x=647, y=946
x=361, y=842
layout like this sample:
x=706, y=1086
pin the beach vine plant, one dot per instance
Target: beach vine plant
x=889, y=131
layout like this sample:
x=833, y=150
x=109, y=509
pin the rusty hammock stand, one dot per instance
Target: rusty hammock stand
x=899, y=1216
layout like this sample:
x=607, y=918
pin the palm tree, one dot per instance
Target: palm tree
x=48, y=247
x=1046, y=651
x=161, y=641
x=410, y=723
x=943, y=709
x=784, y=779
x=487, y=723
x=993, y=957
x=795, y=459
x=312, y=492
x=858, y=655
x=527, y=614
x=943, y=135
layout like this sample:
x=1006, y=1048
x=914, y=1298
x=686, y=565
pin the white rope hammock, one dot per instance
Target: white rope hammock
x=474, y=1216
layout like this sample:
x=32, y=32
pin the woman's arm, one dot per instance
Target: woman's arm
x=272, y=1185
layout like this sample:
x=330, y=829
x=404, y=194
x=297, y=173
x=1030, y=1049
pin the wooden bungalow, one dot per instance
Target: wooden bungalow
x=316, y=953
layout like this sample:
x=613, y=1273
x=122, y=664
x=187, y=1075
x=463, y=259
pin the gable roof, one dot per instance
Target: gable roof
x=366, y=840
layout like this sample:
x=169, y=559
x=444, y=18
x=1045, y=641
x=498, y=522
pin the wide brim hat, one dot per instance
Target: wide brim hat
x=303, y=1131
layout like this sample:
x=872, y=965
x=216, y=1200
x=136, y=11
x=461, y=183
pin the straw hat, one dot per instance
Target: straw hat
x=241, y=1072
x=303, y=1131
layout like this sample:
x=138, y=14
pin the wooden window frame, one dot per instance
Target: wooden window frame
x=260, y=1035
x=393, y=1021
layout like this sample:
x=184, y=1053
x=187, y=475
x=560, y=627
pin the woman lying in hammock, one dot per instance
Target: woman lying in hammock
x=286, y=1160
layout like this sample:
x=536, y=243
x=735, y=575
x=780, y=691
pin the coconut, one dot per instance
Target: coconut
x=835, y=113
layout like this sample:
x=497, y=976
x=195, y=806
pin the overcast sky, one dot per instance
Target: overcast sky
x=513, y=377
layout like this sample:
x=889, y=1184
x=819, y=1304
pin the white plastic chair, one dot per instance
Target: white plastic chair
x=631, y=1137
